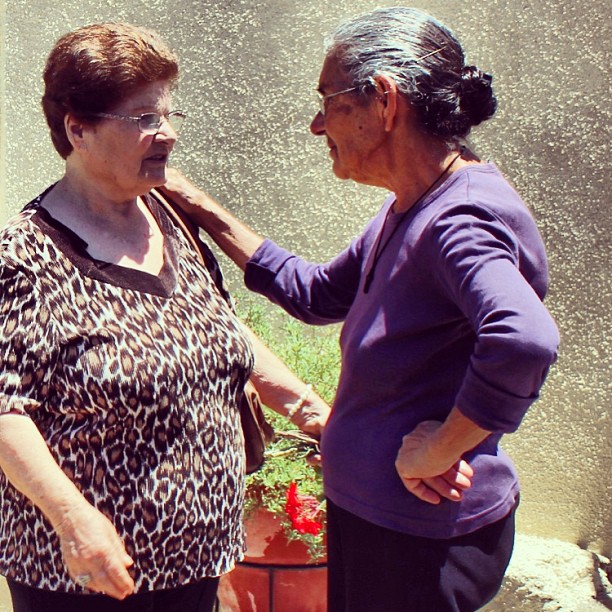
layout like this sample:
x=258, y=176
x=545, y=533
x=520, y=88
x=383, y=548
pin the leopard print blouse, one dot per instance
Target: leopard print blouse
x=133, y=380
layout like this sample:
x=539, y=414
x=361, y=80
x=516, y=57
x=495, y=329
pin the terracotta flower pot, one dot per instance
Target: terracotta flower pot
x=276, y=575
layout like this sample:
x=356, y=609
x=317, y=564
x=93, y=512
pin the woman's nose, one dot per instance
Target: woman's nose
x=317, y=126
x=166, y=130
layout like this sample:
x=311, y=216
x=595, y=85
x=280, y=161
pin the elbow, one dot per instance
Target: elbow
x=531, y=357
x=543, y=344
x=518, y=361
x=529, y=343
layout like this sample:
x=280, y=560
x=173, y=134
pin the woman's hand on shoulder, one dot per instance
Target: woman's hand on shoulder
x=237, y=240
x=193, y=200
x=94, y=553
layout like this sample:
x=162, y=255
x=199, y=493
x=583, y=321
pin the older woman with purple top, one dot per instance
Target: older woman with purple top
x=445, y=340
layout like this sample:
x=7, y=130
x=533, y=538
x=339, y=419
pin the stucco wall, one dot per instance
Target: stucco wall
x=248, y=71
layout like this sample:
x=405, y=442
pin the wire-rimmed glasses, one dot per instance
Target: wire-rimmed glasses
x=150, y=123
x=323, y=98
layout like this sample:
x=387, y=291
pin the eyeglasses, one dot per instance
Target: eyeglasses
x=150, y=123
x=323, y=98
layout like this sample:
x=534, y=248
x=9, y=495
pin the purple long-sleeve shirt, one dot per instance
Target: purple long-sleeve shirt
x=454, y=316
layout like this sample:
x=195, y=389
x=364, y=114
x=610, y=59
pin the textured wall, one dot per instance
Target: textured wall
x=248, y=71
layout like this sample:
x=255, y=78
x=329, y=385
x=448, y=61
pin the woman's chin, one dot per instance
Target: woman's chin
x=155, y=177
x=339, y=171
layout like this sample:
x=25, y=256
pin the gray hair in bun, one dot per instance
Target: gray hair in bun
x=425, y=60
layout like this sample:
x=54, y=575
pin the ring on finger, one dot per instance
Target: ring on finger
x=83, y=579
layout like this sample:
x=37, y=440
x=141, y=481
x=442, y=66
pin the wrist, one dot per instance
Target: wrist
x=456, y=436
x=439, y=454
x=64, y=515
x=199, y=205
x=295, y=408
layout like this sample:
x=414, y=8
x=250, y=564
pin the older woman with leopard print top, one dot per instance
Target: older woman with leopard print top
x=122, y=363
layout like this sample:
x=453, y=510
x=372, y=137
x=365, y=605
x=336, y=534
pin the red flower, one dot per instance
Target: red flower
x=303, y=511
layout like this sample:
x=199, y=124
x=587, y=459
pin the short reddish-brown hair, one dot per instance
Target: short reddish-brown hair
x=96, y=67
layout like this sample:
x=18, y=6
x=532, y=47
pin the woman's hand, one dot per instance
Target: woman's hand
x=89, y=542
x=427, y=474
x=190, y=198
x=237, y=240
x=312, y=417
x=93, y=552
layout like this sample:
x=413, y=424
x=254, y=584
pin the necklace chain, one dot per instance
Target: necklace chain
x=378, y=251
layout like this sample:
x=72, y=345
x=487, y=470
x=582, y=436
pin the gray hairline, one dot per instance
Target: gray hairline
x=385, y=54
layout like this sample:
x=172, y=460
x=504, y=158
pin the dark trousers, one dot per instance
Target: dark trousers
x=197, y=597
x=373, y=569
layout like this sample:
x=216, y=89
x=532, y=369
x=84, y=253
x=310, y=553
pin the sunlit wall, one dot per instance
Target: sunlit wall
x=248, y=73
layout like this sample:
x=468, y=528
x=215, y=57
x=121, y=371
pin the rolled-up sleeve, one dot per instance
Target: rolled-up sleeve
x=485, y=269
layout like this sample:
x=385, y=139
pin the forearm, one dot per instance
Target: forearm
x=235, y=239
x=31, y=469
x=455, y=436
x=89, y=542
x=280, y=389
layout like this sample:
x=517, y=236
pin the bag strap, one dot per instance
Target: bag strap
x=191, y=232
x=181, y=220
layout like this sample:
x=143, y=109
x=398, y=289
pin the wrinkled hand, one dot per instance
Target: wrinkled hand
x=424, y=470
x=177, y=182
x=183, y=191
x=311, y=419
x=90, y=546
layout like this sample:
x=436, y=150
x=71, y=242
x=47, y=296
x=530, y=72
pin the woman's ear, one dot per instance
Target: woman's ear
x=75, y=132
x=386, y=88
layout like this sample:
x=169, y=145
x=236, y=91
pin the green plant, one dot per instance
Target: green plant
x=313, y=354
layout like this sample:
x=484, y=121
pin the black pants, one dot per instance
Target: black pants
x=197, y=597
x=373, y=569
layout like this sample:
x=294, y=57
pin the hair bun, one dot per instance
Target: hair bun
x=477, y=97
x=466, y=101
x=472, y=78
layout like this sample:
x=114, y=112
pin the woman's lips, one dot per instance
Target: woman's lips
x=160, y=158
